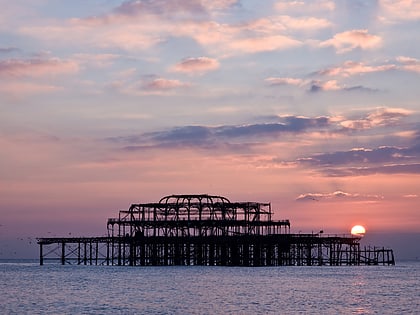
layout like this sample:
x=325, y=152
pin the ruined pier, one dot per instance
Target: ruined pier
x=211, y=231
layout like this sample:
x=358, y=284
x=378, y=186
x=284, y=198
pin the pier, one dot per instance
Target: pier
x=211, y=231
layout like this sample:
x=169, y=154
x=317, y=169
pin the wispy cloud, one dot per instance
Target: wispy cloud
x=399, y=10
x=273, y=81
x=409, y=63
x=314, y=86
x=350, y=40
x=316, y=81
x=379, y=118
x=19, y=89
x=363, y=156
x=163, y=84
x=140, y=25
x=330, y=85
x=412, y=168
x=363, y=161
x=337, y=196
x=282, y=125
x=37, y=67
x=304, y=6
x=6, y=50
x=226, y=135
x=197, y=65
x=351, y=68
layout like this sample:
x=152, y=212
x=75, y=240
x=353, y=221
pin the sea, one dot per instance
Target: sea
x=27, y=288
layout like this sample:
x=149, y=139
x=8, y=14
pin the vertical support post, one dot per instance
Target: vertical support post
x=85, y=252
x=96, y=252
x=41, y=255
x=107, y=252
x=90, y=253
x=79, y=261
x=63, y=253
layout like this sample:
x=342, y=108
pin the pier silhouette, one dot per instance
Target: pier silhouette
x=208, y=230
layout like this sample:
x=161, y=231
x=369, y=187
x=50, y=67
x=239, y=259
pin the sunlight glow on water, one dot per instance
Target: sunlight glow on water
x=56, y=289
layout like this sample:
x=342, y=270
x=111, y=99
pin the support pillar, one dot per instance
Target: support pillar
x=41, y=255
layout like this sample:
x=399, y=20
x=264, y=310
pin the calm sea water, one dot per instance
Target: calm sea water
x=27, y=288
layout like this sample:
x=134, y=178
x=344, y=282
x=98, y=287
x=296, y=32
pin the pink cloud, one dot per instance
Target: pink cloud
x=260, y=44
x=20, y=89
x=169, y=8
x=218, y=4
x=313, y=85
x=305, y=6
x=97, y=60
x=37, y=67
x=331, y=85
x=336, y=195
x=304, y=23
x=410, y=196
x=350, y=68
x=196, y=65
x=164, y=84
x=284, y=81
x=399, y=10
x=379, y=117
x=349, y=40
x=122, y=28
x=409, y=64
x=173, y=8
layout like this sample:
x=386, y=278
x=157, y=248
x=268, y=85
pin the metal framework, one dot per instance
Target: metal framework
x=207, y=230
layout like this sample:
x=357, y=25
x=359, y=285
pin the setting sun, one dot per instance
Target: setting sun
x=358, y=230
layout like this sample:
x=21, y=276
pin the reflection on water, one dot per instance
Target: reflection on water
x=52, y=289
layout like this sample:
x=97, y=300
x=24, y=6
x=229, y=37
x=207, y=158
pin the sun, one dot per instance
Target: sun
x=358, y=230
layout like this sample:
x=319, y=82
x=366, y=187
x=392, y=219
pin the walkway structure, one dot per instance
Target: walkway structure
x=207, y=230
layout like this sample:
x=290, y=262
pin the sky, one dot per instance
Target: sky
x=312, y=106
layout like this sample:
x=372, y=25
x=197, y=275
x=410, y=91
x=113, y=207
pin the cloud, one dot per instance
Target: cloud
x=381, y=117
x=97, y=60
x=275, y=126
x=6, y=50
x=173, y=9
x=37, y=67
x=350, y=40
x=211, y=5
x=20, y=89
x=291, y=124
x=273, y=81
x=335, y=196
x=399, y=10
x=363, y=156
x=363, y=161
x=198, y=65
x=302, y=7
x=224, y=136
x=302, y=24
x=331, y=85
x=351, y=68
x=146, y=85
x=162, y=84
x=413, y=168
x=314, y=86
x=409, y=64
x=261, y=44
x=140, y=25
x=411, y=196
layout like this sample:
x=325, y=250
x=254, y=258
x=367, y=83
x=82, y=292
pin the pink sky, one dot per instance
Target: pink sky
x=310, y=105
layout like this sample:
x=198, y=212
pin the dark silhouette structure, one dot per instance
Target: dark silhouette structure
x=208, y=230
